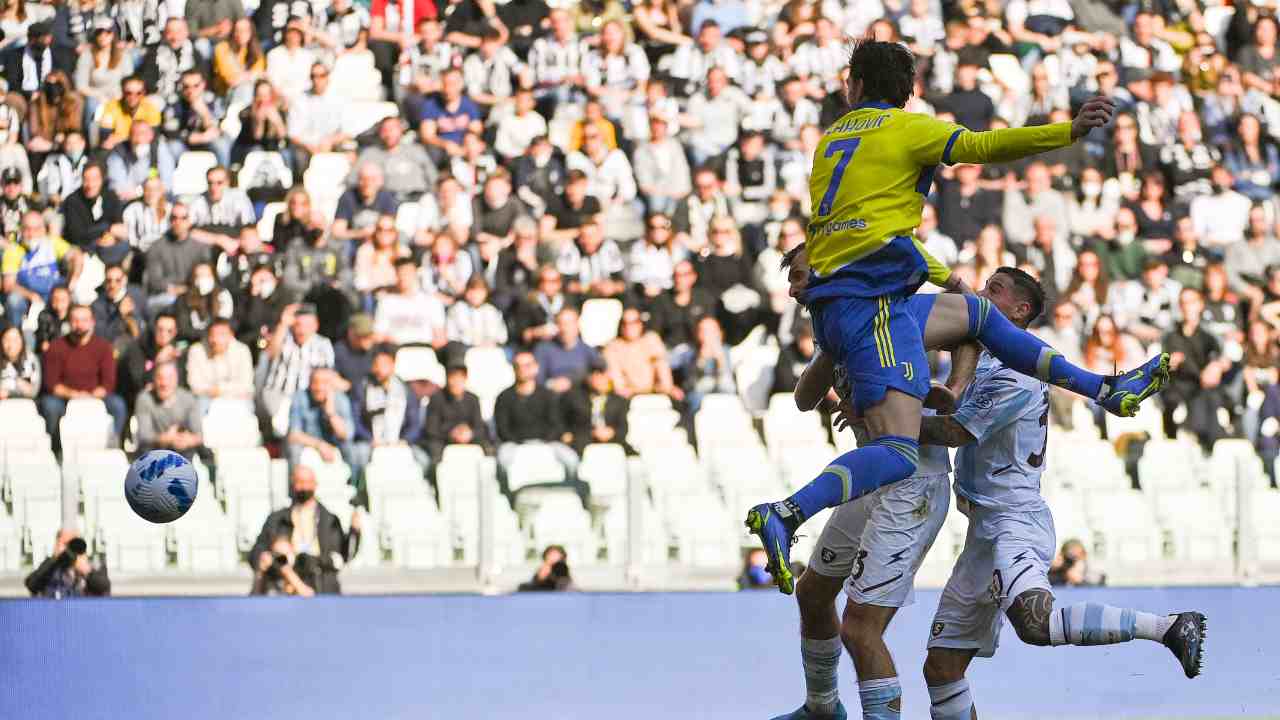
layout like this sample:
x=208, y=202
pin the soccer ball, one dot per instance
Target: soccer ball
x=161, y=486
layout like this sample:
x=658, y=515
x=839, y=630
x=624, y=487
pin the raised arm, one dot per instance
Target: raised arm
x=1008, y=144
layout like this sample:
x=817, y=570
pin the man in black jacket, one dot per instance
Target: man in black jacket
x=92, y=212
x=593, y=413
x=39, y=54
x=118, y=309
x=528, y=414
x=454, y=416
x=322, y=546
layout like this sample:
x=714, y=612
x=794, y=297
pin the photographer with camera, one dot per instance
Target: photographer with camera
x=315, y=546
x=283, y=574
x=553, y=575
x=70, y=571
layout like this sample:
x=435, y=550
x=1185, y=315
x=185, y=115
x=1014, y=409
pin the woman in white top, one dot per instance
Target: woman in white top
x=19, y=370
x=147, y=218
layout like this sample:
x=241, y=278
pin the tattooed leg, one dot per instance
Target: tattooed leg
x=1029, y=615
x=1038, y=622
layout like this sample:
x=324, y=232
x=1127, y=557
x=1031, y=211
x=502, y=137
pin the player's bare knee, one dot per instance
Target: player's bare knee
x=816, y=596
x=1029, y=615
x=863, y=623
x=942, y=667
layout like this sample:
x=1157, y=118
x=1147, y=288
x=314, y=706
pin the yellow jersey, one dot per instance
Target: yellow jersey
x=874, y=166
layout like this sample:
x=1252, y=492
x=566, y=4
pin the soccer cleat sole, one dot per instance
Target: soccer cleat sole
x=1194, y=665
x=1130, y=403
x=780, y=571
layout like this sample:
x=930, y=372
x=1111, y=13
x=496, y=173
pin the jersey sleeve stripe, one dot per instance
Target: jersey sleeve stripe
x=951, y=141
x=926, y=179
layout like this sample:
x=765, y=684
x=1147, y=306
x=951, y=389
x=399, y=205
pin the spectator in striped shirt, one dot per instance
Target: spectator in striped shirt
x=293, y=351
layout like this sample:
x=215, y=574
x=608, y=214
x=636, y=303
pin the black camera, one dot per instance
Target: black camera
x=278, y=563
x=75, y=548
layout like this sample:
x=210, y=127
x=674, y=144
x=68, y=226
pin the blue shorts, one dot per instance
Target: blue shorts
x=879, y=341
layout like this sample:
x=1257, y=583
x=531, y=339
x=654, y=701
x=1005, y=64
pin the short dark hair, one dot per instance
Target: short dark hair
x=789, y=258
x=401, y=262
x=384, y=349
x=887, y=71
x=1031, y=289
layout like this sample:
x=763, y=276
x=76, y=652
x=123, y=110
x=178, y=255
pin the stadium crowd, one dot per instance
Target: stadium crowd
x=189, y=212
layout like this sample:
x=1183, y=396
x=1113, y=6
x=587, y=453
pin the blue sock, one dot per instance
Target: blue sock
x=951, y=701
x=876, y=696
x=854, y=474
x=1027, y=353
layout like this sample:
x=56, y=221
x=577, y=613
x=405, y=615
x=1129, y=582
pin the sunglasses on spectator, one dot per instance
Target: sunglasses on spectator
x=660, y=226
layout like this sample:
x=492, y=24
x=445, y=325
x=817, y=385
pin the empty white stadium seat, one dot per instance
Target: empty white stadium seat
x=604, y=470
x=753, y=372
x=651, y=401
x=419, y=363
x=1170, y=465
x=533, y=464
x=560, y=520
x=488, y=374
x=189, y=177
x=699, y=530
x=132, y=544
x=264, y=168
x=96, y=472
x=360, y=85
x=1124, y=527
x=1197, y=530
x=230, y=424
x=205, y=537
x=360, y=117
x=334, y=165
x=599, y=321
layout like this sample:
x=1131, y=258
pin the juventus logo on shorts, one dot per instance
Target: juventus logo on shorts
x=828, y=555
x=936, y=630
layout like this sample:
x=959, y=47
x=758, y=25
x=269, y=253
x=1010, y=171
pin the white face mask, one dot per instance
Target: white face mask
x=1091, y=190
x=1124, y=237
x=266, y=287
x=204, y=285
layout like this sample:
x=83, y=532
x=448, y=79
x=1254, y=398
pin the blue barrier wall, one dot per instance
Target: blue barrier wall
x=574, y=656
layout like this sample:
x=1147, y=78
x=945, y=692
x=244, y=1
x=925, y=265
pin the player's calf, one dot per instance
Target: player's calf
x=819, y=647
x=949, y=695
x=1038, y=622
x=862, y=631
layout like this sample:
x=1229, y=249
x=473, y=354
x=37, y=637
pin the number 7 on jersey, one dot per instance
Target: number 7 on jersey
x=846, y=147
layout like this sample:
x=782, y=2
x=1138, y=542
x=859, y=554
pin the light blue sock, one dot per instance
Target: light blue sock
x=854, y=474
x=951, y=701
x=1089, y=623
x=1027, y=353
x=876, y=696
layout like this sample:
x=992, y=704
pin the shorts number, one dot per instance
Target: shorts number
x=1037, y=459
x=858, y=565
x=846, y=148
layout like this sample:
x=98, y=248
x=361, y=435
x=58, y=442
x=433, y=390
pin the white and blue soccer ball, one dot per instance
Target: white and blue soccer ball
x=161, y=486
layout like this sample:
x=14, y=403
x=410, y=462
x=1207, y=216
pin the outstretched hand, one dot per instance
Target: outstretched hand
x=1096, y=112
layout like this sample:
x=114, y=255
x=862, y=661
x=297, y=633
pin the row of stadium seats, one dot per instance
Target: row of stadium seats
x=1188, y=519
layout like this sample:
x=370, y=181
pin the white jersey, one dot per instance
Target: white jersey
x=1008, y=414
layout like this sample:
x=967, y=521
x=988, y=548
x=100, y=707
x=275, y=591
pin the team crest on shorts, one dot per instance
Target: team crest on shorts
x=997, y=586
x=936, y=630
x=828, y=555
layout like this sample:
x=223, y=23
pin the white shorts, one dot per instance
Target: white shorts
x=878, y=541
x=1005, y=554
